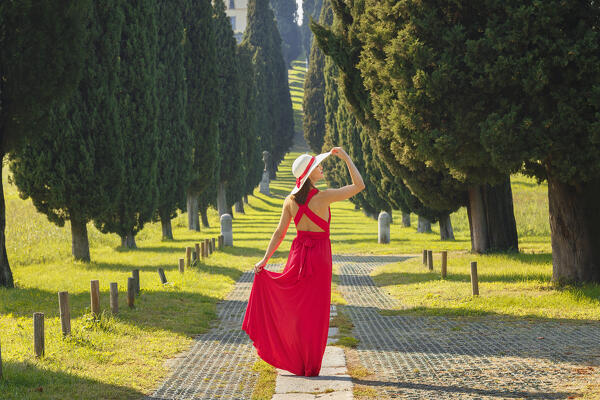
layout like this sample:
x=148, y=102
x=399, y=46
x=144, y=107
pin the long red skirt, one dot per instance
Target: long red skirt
x=287, y=316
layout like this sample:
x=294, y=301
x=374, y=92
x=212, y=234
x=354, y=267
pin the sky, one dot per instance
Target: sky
x=299, y=3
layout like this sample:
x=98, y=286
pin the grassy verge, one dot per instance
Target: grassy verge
x=265, y=387
x=515, y=285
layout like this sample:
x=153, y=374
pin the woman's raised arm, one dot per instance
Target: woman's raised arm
x=343, y=193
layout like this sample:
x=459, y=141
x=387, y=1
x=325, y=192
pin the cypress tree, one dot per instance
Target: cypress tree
x=175, y=156
x=274, y=106
x=314, y=91
x=310, y=9
x=231, y=138
x=202, y=109
x=286, y=16
x=531, y=105
x=72, y=169
x=396, y=166
x=248, y=122
x=138, y=108
x=41, y=57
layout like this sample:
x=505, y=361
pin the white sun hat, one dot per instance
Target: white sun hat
x=303, y=166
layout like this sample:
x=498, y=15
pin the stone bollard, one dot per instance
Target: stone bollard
x=384, y=221
x=65, y=312
x=227, y=230
x=264, y=183
x=38, y=334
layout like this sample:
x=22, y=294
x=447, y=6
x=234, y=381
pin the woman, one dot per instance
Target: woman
x=287, y=316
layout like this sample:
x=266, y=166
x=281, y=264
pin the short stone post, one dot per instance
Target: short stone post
x=136, y=280
x=474, y=279
x=213, y=244
x=114, y=298
x=188, y=256
x=444, y=263
x=227, y=229
x=161, y=274
x=181, y=265
x=203, y=249
x=197, y=248
x=430, y=259
x=383, y=222
x=65, y=312
x=130, y=292
x=221, y=242
x=207, y=245
x=264, y=183
x=424, y=257
x=95, y=297
x=38, y=334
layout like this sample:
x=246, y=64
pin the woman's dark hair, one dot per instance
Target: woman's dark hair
x=302, y=194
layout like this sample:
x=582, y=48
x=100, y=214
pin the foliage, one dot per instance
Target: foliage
x=310, y=9
x=286, y=16
x=274, y=107
x=41, y=58
x=251, y=150
x=73, y=168
x=175, y=156
x=202, y=108
x=138, y=113
x=314, y=106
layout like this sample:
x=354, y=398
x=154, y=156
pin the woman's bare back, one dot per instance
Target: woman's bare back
x=316, y=205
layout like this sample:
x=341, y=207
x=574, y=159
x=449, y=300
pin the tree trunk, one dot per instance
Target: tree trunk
x=239, y=207
x=575, y=231
x=192, y=211
x=446, y=232
x=231, y=212
x=246, y=198
x=406, y=220
x=204, y=217
x=128, y=241
x=423, y=226
x=492, y=218
x=80, y=246
x=6, y=278
x=165, y=221
x=221, y=199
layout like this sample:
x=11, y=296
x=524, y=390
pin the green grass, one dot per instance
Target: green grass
x=267, y=376
x=510, y=285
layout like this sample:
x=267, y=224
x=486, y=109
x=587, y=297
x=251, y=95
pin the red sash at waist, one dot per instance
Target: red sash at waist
x=307, y=240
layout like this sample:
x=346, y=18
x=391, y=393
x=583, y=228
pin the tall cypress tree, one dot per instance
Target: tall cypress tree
x=286, y=15
x=203, y=106
x=175, y=156
x=231, y=138
x=310, y=9
x=314, y=91
x=274, y=105
x=41, y=57
x=72, y=169
x=248, y=121
x=138, y=108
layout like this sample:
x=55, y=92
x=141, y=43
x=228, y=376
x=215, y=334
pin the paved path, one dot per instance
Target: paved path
x=410, y=357
x=447, y=358
x=333, y=382
x=219, y=364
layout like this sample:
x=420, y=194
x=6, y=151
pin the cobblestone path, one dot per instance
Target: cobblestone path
x=449, y=358
x=219, y=364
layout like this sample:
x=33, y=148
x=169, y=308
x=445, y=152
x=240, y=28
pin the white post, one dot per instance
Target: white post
x=227, y=229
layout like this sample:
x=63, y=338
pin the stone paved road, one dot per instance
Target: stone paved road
x=219, y=364
x=448, y=358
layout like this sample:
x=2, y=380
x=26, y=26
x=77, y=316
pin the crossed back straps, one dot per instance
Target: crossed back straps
x=303, y=209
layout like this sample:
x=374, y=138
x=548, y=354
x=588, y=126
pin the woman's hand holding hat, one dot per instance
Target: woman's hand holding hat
x=338, y=151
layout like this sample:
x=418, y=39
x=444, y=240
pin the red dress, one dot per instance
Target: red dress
x=287, y=316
